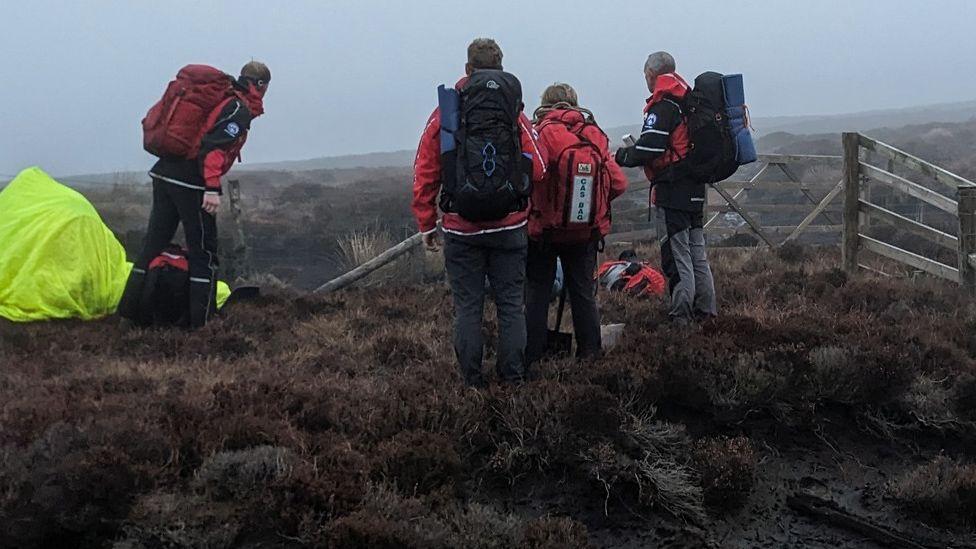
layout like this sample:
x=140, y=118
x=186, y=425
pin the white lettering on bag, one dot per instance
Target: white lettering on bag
x=582, y=199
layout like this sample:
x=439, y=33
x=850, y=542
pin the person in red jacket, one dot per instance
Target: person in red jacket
x=187, y=191
x=679, y=198
x=631, y=276
x=475, y=250
x=557, y=231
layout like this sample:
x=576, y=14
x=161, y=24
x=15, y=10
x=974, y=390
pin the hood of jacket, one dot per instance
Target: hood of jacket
x=669, y=85
x=251, y=97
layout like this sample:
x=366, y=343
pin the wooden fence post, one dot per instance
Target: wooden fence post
x=241, y=250
x=967, y=236
x=852, y=193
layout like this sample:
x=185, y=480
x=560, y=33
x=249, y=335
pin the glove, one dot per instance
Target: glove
x=622, y=157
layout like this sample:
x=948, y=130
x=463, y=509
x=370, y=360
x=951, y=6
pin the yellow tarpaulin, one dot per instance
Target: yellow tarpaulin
x=57, y=257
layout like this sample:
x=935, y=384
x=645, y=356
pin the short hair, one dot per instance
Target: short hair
x=484, y=53
x=256, y=70
x=560, y=92
x=659, y=63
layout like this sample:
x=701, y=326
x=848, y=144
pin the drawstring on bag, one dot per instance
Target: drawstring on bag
x=543, y=110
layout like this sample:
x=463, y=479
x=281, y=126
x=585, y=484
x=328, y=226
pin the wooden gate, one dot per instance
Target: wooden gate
x=859, y=209
x=813, y=198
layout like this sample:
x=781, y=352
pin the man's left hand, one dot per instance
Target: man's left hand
x=622, y=157
x=431, y=242
x=211, y=202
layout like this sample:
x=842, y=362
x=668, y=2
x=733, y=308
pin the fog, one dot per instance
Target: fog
x=355, y=77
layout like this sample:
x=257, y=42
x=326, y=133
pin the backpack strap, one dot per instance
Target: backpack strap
x=674, y=102
x=681, y=115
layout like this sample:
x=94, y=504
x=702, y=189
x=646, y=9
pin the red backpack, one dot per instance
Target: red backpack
x=577, y=198
x=176, y=124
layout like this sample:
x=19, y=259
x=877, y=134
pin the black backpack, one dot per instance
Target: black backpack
x=713, y=153
x=165, y=299
x=485, y=177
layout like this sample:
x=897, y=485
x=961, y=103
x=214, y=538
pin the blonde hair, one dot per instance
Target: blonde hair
x=560, y=92
x=560, y=96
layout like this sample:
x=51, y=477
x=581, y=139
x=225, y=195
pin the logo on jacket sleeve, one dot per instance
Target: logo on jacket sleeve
x=232, y=129
x=650, y=121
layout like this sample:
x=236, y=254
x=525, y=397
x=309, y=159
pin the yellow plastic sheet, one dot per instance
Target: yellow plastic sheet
x=57, y=257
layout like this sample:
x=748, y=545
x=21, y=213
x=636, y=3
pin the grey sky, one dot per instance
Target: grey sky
x=360, y=76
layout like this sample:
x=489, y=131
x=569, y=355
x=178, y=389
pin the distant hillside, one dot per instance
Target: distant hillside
x=368, y=160
x=889, y=118
x=950, y=145
x=770, y=130
x=764, y=126
x=770, y=127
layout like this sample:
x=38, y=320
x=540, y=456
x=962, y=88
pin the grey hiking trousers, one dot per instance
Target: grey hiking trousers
x=685, y=264
x=500, y=257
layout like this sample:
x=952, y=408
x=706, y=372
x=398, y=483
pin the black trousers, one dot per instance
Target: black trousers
x=579, y=264
x=501, y=258
x=174, y=205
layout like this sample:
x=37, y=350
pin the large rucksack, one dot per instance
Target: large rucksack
x=718, y=128
x=485, y=177
x=165, y=299
x=176, y=124
x=581, y=195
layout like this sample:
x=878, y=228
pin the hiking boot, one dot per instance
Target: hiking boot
x=681, y=321
x=701, y=317
x=476, y=382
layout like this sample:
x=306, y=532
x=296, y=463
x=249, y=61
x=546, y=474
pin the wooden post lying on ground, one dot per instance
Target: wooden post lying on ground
x=365, y=269
x=241, y=250
x=852, y=191
x=967, y=237
x=832, y=513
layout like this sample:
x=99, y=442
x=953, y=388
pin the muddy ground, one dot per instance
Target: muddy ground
x=340, y=421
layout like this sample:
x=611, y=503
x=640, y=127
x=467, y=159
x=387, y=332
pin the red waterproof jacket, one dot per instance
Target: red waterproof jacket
x=427, y=181
x=663, y=143
x=558, y=130
x=673, y=89
x=219, y=160
x=632, y=277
